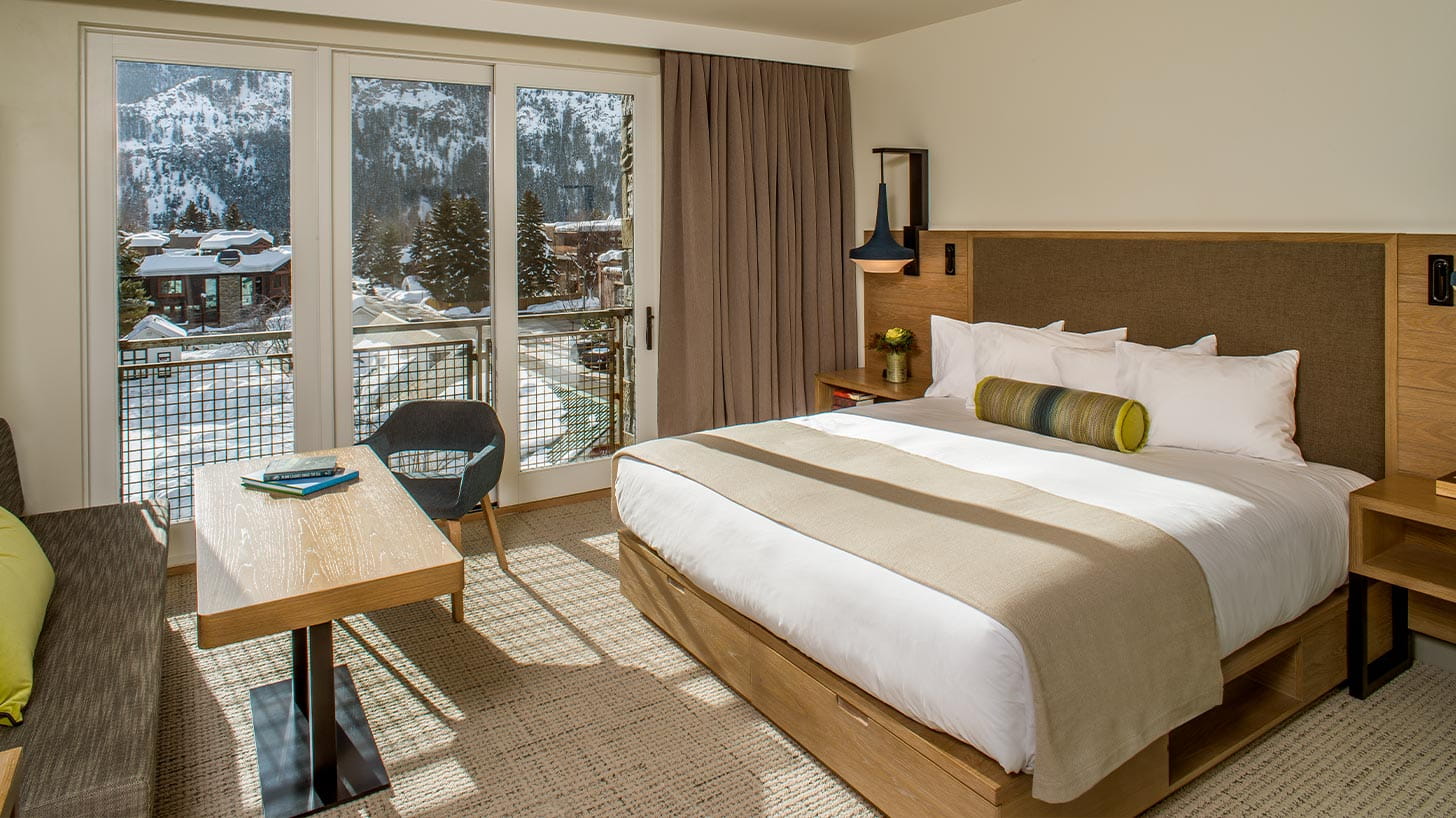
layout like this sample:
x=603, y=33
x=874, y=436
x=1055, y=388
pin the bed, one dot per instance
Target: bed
x=922, y=702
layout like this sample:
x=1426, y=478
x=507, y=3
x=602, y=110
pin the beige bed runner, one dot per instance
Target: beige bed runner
x=1114, y=615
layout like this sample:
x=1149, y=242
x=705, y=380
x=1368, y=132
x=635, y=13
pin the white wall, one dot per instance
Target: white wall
x=1197, y=114
x=587, y=26
x=40, y=180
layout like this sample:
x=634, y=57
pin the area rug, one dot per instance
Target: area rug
x=555, y=697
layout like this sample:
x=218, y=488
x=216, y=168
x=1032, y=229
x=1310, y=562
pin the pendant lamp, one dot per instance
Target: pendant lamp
x=882, y=254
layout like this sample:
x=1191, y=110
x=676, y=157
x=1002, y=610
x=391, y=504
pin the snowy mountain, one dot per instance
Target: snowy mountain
x=220, y=136
x=567, y=139
x=217, y=138
x=414, y=141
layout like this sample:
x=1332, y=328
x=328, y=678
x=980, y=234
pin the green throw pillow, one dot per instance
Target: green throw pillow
x=26, y=580
x=1120, y=424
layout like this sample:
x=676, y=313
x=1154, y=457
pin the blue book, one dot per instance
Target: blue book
x=300, y=487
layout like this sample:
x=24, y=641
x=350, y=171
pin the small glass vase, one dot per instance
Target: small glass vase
x=897, y=367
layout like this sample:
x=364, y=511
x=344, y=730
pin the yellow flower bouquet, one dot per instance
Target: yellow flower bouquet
x=896, y=343
x=894, y=339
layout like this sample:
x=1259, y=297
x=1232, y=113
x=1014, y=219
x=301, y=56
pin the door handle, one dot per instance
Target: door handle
x=649, y=328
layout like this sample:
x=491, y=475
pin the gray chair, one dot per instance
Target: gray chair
x=449, y=426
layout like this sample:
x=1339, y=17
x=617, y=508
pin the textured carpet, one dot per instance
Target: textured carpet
x=557, y=698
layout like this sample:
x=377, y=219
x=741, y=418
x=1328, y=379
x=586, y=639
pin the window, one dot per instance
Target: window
x=213, y=213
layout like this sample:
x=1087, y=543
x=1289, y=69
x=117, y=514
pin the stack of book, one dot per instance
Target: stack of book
x=299, y=475
x=844, y=398
x=1446, y=485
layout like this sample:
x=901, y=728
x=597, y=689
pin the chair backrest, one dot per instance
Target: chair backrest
x=12, y=498
x=440, y=425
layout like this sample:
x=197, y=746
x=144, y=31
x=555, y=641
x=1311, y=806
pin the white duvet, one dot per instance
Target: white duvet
x=1271, y=539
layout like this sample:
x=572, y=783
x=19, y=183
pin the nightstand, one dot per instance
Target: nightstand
x=1403, y=533
x=867, y=381
x=9, y=781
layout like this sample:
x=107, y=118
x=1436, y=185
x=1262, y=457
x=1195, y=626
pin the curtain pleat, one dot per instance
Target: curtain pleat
x=758, y=217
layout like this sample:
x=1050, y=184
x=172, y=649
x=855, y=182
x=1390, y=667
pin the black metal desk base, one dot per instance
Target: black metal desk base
x=1367, y=677
x=306, y=765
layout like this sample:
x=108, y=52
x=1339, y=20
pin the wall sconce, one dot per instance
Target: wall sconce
x=882, y=254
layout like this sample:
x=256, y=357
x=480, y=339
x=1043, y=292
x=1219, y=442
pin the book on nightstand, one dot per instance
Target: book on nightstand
x=1446, y=485
x=845, y=398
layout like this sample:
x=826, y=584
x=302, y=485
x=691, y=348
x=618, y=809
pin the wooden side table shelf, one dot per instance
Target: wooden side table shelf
x=1402, y=533
x=9, y=781
x=867, y=381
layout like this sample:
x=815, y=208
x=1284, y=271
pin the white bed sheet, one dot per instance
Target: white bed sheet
x=1271, y=538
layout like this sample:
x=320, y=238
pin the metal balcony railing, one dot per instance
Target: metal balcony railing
x=217, y=397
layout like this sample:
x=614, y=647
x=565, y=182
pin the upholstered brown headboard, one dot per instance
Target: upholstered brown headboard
x=1324, y=296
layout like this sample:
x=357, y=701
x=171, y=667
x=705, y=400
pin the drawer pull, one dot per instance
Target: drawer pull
x=852, y=711
x=676, y=586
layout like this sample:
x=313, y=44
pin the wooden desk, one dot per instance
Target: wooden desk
x=864, y=380
x=268, y=563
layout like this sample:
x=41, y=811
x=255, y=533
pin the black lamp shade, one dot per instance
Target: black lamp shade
x=882, y=254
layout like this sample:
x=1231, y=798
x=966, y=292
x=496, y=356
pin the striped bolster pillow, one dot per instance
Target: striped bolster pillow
x=1120, y=424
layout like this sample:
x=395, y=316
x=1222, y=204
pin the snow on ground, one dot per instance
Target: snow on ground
x=213, y=407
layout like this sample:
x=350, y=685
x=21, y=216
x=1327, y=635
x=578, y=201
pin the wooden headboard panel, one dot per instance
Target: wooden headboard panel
x=1324, y=298
x=1327, y=295
x=1423, y=396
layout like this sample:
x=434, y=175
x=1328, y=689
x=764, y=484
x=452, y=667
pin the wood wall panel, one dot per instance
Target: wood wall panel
x=909, y=301
x=1424, y=342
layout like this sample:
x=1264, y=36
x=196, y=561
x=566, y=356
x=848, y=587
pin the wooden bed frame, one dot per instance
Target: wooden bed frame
x=906, y=768
x=1246, y=280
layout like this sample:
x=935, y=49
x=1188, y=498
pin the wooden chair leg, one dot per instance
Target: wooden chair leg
x=457, y=600
x=495, y=535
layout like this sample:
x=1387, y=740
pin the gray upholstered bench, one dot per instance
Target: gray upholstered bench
x=90, y=730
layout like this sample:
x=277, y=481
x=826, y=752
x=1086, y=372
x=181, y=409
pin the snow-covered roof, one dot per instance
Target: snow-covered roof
x=223, y=239
x=154, y=326
x=596, y=226
x=169, y=264
x=149, y=238
x=612, y=255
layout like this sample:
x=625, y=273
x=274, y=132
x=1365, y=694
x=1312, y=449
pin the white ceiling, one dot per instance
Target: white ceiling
x=838, y=21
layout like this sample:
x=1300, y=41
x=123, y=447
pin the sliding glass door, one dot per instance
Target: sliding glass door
x=489, y=232
x=577, y=372
x=412, y=191
x=203, y=297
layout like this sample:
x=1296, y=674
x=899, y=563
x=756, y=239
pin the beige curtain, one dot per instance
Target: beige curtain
x=758, y=214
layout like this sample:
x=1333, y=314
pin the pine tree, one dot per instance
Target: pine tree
x=455, y=257
x=417, y=250
x=376, y=255
x=192, y=218
x=127, y=259
x=535, y=268
x=213, y=222
x=233, y=219
x=131, y=292
x=473, y=237
x=433, y=252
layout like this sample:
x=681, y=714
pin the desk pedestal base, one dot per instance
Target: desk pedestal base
x=300, y=769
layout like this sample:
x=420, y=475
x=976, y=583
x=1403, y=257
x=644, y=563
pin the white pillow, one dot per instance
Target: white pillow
x=1218, y=404
x=1095, y=370
x=1026, y=355
x=1118, y=334
x=952, y=355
